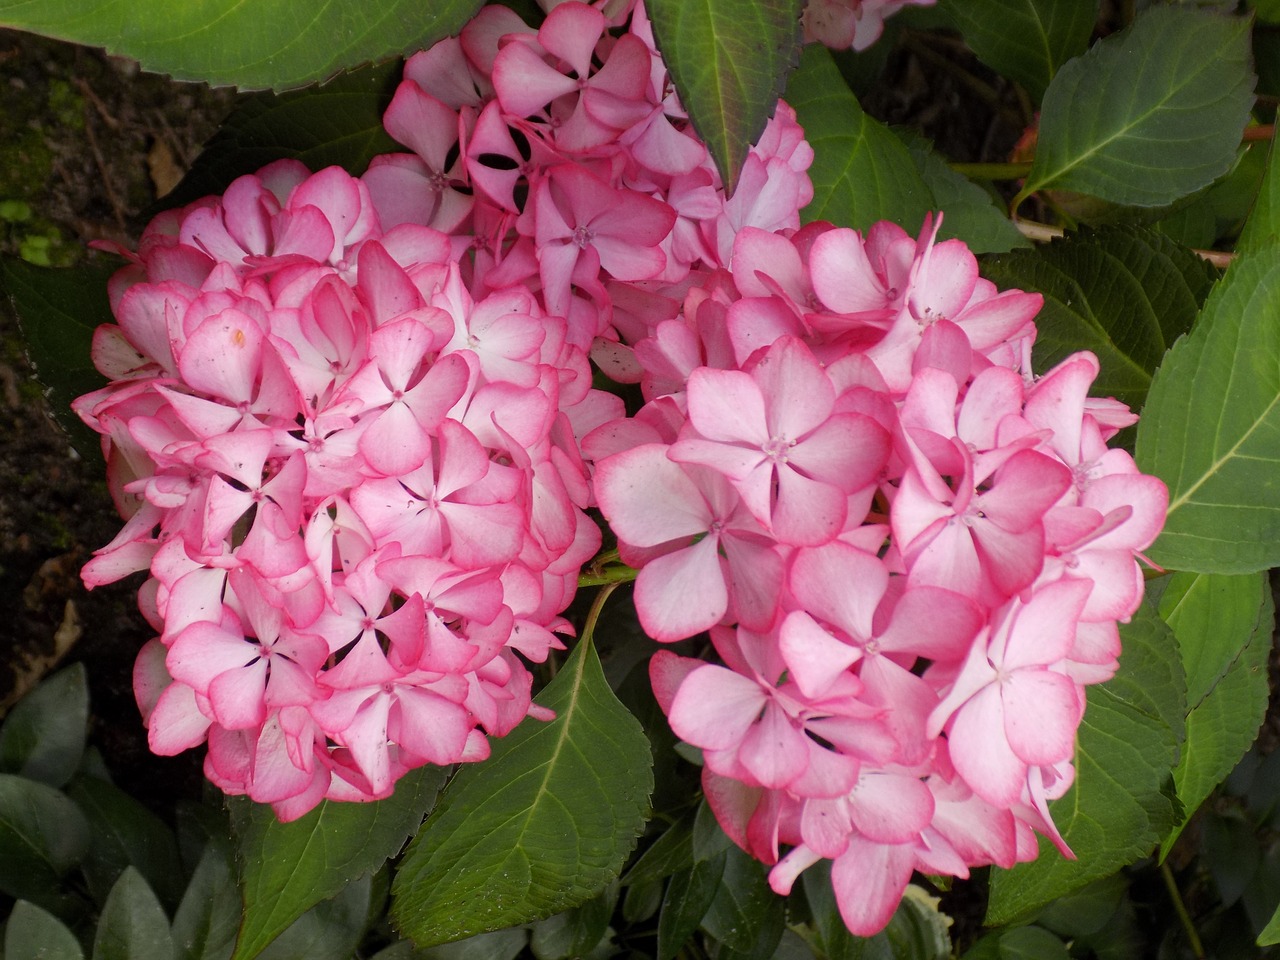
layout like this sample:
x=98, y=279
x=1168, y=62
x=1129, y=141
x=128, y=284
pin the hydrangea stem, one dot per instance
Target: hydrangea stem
x=1193, y=938
x=605, y=569
x=593, y=615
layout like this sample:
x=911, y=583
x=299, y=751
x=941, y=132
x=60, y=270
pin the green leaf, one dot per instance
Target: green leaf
x=1119, y=806
x=1025, y=40
x=918, y=930
x=58, y=310
x=339, y=123
x=861, y=172
x=543, y=825
x=833, y=937
x=1223, y=625
x=33, y=934
x=287, y=868
x=746, y=916
x=43, y=737
x=1085, y=911
x=1271, y=932
x=1262, y=228
x=273, y=44
x=641, y=901
x=729, y=62
x=506, y=944
x=1020, y=943
x=1125, y=294
x=1231, y=853
x=576, y=932
x=125, y=833
x=208, y=918
x=1150, y=114
x=1211, y=429
x=1221, y=209
x=331, y=930
x=133, y=924
x=672, y=851
x=971, y=214
x=42, y=836
x=689, y=896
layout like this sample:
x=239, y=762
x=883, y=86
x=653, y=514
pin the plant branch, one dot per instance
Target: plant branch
x=993, y=171
x=610, y=574
x=593, y=615
x=1188, y=927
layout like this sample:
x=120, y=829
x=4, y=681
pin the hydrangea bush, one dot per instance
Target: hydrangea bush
x=371, y=431
x=351, y=422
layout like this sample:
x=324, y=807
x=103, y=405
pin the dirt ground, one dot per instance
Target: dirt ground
x=87, y=145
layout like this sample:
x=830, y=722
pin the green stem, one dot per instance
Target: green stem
x=610, y=575
x=1188, y=927
x=993, y=171
x=589, y=628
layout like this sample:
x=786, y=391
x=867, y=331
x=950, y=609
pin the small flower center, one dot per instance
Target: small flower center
x=776, y=448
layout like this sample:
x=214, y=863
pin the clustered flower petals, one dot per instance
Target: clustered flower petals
x=352, y=428
x=901, y=549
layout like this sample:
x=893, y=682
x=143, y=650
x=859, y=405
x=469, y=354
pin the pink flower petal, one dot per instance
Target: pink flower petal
x=981, y=753
x=1041, y=712
x=869, y=879
x=715, y=708
x=682, y=593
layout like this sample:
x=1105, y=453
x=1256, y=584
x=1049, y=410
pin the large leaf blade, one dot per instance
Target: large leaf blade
x=1262, y=227
x=1025, y=40
x=971, y=213
x=543, y=825
x=861, y=172
x=288, y=868
x=1150, y=114
x=745, y=915
x=1211, y=429
x=276, y=44
x=1126, y=295
x=34, y=933
x=42, y=836
x=133, y=924
x=207, y=919
x=1119, y=806
x=1224, y=626
x=43, y=737
x=729, y=62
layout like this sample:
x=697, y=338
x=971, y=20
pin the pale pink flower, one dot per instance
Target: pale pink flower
x=774, y=433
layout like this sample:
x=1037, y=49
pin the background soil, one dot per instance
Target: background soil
x=88, y=144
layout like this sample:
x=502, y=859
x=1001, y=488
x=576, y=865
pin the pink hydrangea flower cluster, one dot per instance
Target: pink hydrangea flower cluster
x=911, y=554
x=352, y=426
x=355, y=488
x=344, y=413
